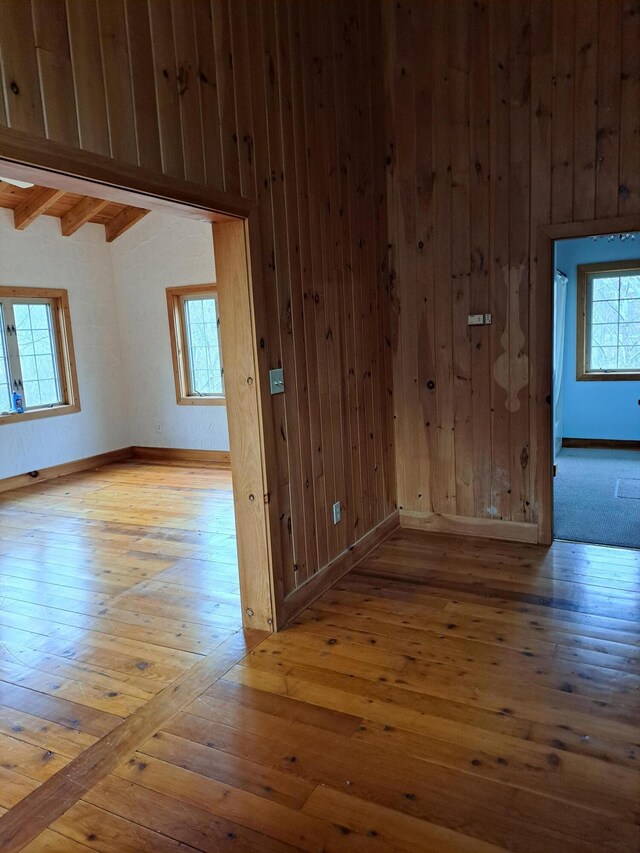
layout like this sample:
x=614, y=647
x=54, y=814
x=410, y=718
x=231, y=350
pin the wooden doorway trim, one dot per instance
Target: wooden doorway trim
x=542, y=385
x=236, y=242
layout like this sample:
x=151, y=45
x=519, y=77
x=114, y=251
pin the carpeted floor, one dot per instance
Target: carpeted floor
x=597, y=496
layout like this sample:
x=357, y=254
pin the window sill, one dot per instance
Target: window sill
x=34, y=414
x=202, y=401
x=599, y=376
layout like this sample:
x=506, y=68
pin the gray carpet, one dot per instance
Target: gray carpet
x=597, y=496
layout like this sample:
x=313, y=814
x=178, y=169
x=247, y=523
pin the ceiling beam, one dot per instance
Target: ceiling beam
x=122, y=221
x=39, y=200
x=80, y=213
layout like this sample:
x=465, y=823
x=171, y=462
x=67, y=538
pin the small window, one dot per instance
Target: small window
x=609, y=321
x=37, y=366
x=194, y=325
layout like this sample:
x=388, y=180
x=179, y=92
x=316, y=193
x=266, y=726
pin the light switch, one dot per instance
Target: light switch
x=276, y=380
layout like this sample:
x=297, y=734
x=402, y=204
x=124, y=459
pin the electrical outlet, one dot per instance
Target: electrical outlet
x=158, y=427
x=337, y=512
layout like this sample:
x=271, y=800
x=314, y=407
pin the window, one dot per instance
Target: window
x=194, y=326
x=609, y=321
x=36, y=354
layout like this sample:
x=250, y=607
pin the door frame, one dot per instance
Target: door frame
x=542, y=386
x=237, y=252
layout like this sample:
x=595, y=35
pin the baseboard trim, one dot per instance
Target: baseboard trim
x=54, y=471
x=489, y=528
x=147, y=454
x=299, y=599
x=602, y=443
x=174, y=454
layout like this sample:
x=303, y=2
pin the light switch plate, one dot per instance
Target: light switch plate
x=276, y=380
x=337, y=512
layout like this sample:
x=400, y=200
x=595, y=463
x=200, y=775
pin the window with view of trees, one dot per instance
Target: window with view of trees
x=37, y=371
x=609, y=321
x=194, y=325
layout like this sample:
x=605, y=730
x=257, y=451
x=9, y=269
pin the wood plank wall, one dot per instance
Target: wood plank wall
x=501, y=117
x=282, y=102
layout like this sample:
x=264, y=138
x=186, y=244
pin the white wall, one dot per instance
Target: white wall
x=160, y=252
x=120, y=331
x=41, y=257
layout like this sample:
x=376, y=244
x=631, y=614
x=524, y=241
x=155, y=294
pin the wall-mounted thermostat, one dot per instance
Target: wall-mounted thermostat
x=479, y=320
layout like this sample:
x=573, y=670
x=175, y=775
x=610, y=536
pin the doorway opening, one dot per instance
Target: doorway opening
x=224, y=297
x=596, y=389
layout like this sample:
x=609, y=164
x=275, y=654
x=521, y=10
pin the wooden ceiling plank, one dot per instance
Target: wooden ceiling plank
x=122, y=221
x=39, y=200
x=81, y=213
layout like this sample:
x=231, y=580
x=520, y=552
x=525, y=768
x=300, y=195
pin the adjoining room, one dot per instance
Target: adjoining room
x=597, y=389
x=118, y=559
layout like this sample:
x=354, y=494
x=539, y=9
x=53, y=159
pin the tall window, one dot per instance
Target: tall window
x=609, y=321
x=37, y=369
x=194, y=325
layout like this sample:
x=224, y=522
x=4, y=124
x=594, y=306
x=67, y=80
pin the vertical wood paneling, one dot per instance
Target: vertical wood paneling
x=226, y=96
x=563, y=103
x=519, y=154
x=479, y=164
x=341, y=34
x=499, y=295
x=541, y=142
x=585, y=110
x=502, y=117
x=283, y=103
x=118, y=80
x=167, y=86
x=313, y=482
x=208, y=85
x=21, y=84
x=629, y=201
x=186, y=60
x=444, y=483
x=608, y=131
x=54, y=66
x=461, y=260
x=143, y=83
x=88, y=77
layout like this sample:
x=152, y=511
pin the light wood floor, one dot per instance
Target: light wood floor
x=448, y=696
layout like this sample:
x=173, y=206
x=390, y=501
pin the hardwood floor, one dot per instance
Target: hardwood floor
x=447, y=696
x=114, y=583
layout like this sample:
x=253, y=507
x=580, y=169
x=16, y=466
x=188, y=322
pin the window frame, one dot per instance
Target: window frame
x=583, y=371
x=179, y=350
x=64, y=352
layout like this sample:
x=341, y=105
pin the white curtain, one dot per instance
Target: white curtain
x=560, y=303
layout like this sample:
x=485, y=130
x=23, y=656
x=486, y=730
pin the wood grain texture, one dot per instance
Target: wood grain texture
x=502, y=118
x=207, y=91
x=72, y=209
x=109, y=615
x=446, y=696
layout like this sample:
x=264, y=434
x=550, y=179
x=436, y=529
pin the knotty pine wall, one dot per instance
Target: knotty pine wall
x=281, y=102
x=501, y=117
